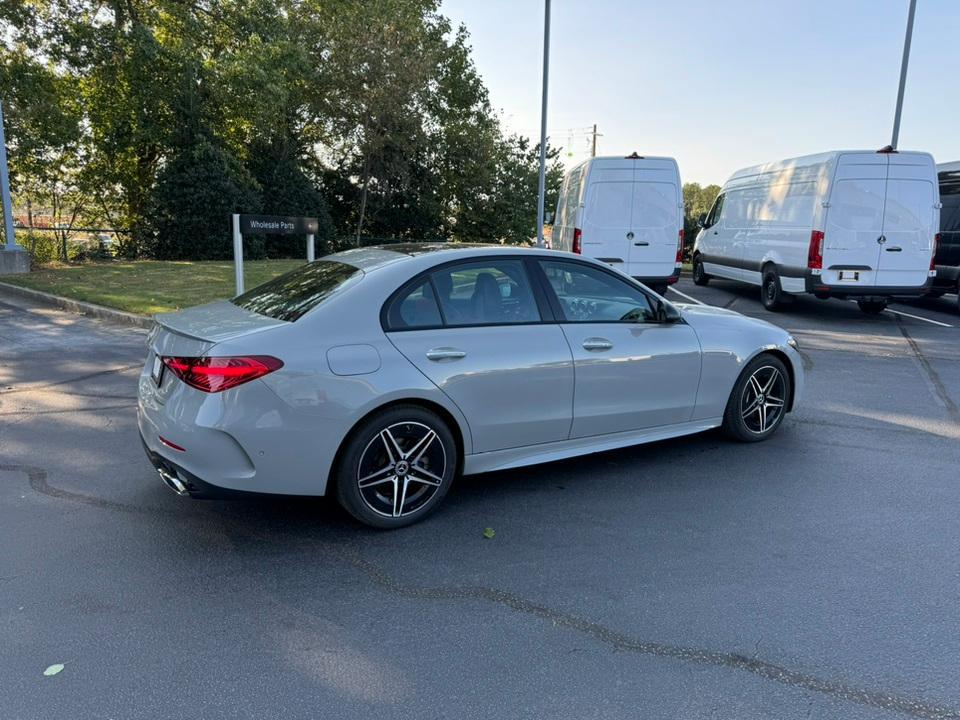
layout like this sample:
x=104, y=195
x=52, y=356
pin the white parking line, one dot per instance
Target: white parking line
x=684, y=295
x=915, y=317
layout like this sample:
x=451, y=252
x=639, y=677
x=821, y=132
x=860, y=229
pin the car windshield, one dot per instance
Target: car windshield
x=295, y=293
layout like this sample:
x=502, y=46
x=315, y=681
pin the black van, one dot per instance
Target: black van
x=948, y=254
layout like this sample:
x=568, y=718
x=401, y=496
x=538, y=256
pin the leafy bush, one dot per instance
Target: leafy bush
x=42, y=246
x=195, y=194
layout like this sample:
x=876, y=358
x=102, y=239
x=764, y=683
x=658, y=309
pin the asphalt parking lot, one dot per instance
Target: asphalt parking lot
x=816, y=575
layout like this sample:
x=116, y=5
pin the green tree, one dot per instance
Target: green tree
x=195, y=194
x=697, y=201
x=508, y=211
x=287, y=190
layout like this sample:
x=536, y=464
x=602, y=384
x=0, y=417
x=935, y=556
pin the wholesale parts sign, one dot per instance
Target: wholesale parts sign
x=277, y=225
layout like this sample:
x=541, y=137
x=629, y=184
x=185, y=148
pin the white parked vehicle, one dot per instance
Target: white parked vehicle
x=627, y=212
x=858, y=224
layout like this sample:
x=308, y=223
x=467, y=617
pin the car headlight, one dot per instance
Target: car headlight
x=792, y=342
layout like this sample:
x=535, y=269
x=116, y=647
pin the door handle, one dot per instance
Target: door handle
x=597, y=343
x=642, y=243
x=445, y=353
x=894, y=248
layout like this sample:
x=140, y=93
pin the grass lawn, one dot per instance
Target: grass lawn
x=148, y=286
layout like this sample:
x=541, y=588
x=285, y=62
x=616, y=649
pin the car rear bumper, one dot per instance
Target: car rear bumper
x=661, y=280
x=185, y=483
x=948, y=277
x=814, y=285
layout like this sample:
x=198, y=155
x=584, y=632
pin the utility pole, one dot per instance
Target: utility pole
x=593, y=146
x=903, y=74
x=543, y=122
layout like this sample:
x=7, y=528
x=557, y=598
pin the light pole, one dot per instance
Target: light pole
x=5, y=190
x=903, y=74
x=543, y=122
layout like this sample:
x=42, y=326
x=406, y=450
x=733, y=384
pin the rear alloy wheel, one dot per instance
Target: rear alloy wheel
x=872, y=307
x=771, y=293
x=396, y=467
x=700, y=276
x=758, y=400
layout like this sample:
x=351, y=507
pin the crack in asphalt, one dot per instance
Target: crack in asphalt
x=67, y=411
x=37, y=478
x=30, y=388
x=936, y=384
x=617, y=640
x=766, y=670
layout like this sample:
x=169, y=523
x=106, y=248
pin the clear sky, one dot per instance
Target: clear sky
x=721, y=84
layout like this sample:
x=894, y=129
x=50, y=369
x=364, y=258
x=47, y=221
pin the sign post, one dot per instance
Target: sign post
x=268, y=225
x=237, y=255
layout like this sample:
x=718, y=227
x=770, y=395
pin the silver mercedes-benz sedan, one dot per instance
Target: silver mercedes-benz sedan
x=380, y=374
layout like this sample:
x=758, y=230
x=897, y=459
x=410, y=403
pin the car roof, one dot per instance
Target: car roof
x=378, y=256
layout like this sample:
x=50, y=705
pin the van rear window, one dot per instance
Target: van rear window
x=295, y=293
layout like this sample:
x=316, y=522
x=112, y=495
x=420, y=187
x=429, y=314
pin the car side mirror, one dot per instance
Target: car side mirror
x=702, y=220
x=667, y=313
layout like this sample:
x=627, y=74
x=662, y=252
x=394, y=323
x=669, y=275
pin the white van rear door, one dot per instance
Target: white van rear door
x=606, y=218
x=655, y=227
x=854, y=221
x=909, y=225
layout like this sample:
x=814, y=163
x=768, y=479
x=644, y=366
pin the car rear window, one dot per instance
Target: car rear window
x=295, y=293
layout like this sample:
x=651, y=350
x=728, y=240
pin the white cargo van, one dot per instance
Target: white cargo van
x=625, y=211
x=857, y=224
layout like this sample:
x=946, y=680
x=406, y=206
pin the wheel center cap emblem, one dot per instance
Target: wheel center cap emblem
x=760, y=398
x=402, y=468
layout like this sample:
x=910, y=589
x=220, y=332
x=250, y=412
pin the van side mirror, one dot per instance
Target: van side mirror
x=702, y=220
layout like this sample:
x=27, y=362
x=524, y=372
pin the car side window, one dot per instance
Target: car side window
x=589, y=294
x=485, y=293
x=715, y=212
x=416, y=308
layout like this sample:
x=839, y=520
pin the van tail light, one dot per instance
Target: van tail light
x=216, y=374
x=933, y=255
x=577, y=245
x=680, y=248
x=815, y=252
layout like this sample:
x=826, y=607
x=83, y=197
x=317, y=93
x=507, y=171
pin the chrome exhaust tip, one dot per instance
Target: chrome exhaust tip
x=173, y=482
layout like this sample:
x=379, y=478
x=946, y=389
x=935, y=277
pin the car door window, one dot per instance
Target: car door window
x=591, y=295
x=485, y=293
x=415, y=308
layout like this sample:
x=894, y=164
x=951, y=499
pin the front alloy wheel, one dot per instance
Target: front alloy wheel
x=396, y=467
x=758, y=401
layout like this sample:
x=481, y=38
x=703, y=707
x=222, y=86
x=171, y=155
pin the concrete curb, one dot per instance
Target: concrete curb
x=78, y=306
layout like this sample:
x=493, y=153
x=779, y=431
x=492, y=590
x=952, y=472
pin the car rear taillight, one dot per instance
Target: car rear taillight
x=933, y=255
x=680, y=248
x=815, y=252
x=216, y=374
x=577, y=246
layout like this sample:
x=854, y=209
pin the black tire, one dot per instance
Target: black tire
x=746, y=425
x=771, y=294
x=872, y=307
x=700, y=276
x=381, y=452
x=659, y=289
